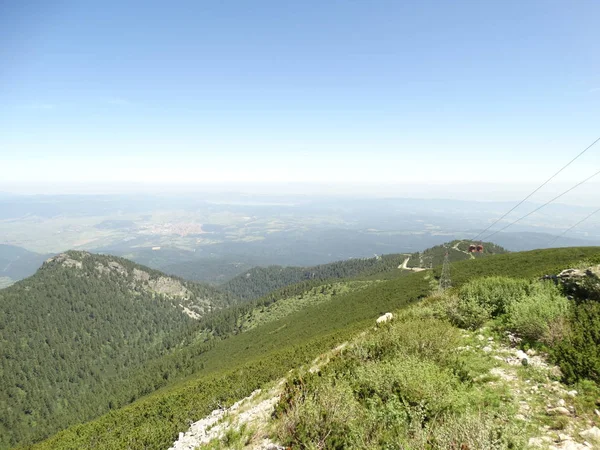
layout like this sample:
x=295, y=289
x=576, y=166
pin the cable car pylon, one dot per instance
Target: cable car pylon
x=445, y=281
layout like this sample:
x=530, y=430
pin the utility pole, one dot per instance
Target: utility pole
x=445, y=282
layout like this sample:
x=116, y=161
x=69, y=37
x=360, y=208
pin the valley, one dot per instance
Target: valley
x=214, y=238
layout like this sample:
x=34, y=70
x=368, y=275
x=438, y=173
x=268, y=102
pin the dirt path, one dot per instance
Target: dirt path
x=455, y=247
x=412, y=269
x=545, y=405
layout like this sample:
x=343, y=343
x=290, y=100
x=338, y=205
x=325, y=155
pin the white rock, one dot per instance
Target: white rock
x=593, y=434
x=536, y=442
x=487, y=349
x=521, y=355
x=572, y=393
x=561, y=402
x=560, y=411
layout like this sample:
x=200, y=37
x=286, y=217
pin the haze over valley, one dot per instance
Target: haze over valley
x=222, y=235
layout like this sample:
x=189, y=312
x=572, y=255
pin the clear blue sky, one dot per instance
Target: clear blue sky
x=341, y=91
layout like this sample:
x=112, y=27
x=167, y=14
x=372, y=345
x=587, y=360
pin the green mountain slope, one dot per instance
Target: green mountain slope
x=259, y=281
x=457, y=251
x=210, y=270
x=72, y=333
x=233, y=367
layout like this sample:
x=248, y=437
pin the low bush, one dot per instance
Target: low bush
x=403, y=386
x=494, y=293
x=578, y=353
x=482, y=299
x=539, y=315
x=467, y=312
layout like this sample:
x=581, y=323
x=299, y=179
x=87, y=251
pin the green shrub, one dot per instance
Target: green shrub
x=467, y=312
x=324, y=415
x=494, y=293
x=429, y=338
x=416, y=382
x=578, y=354
x=537, y=316
x=483, y=299
x=397, y=387
x=475, y=430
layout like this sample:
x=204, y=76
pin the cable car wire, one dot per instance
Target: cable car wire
x=573, y=226
x=538, y=188
x=545, y=204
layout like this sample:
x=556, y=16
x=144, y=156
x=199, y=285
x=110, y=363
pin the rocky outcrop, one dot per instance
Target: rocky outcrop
x=168, y=286
x=135, y=279
x=65, y=260
x=252, y=410
x=580, y=284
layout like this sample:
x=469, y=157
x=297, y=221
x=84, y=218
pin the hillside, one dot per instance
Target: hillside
x=260, y=281
x=17, y=263
x=457, y=251
x=233, y=367
x=208, y=270
x=76, y=334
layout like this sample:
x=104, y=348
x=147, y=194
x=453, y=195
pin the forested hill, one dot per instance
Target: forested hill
x=260, y=281
x=82, y=323
x=295, y=334
x=194, y=299
x=457, y=251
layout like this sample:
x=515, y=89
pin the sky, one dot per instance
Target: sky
x=340, y=92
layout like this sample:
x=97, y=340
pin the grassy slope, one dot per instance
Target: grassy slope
x=240, y=364
x=434, y=256
x=236, y=366
x=535, y=263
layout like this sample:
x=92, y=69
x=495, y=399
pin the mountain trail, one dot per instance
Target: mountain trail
x=455, y=247
x=412, y=269
x=250, y=416
x=545, y=406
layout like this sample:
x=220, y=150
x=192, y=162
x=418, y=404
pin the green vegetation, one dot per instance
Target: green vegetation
x=259, y=341
x=76, y=335
x=260, y=281
x=534, y=316
x=234, y=367
x=312, y=297
x=409, y=382
x=457, y=251
x=536, y=311
x=401, y=387
x=578, y=352
x=526, y=265
x=209, y=270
